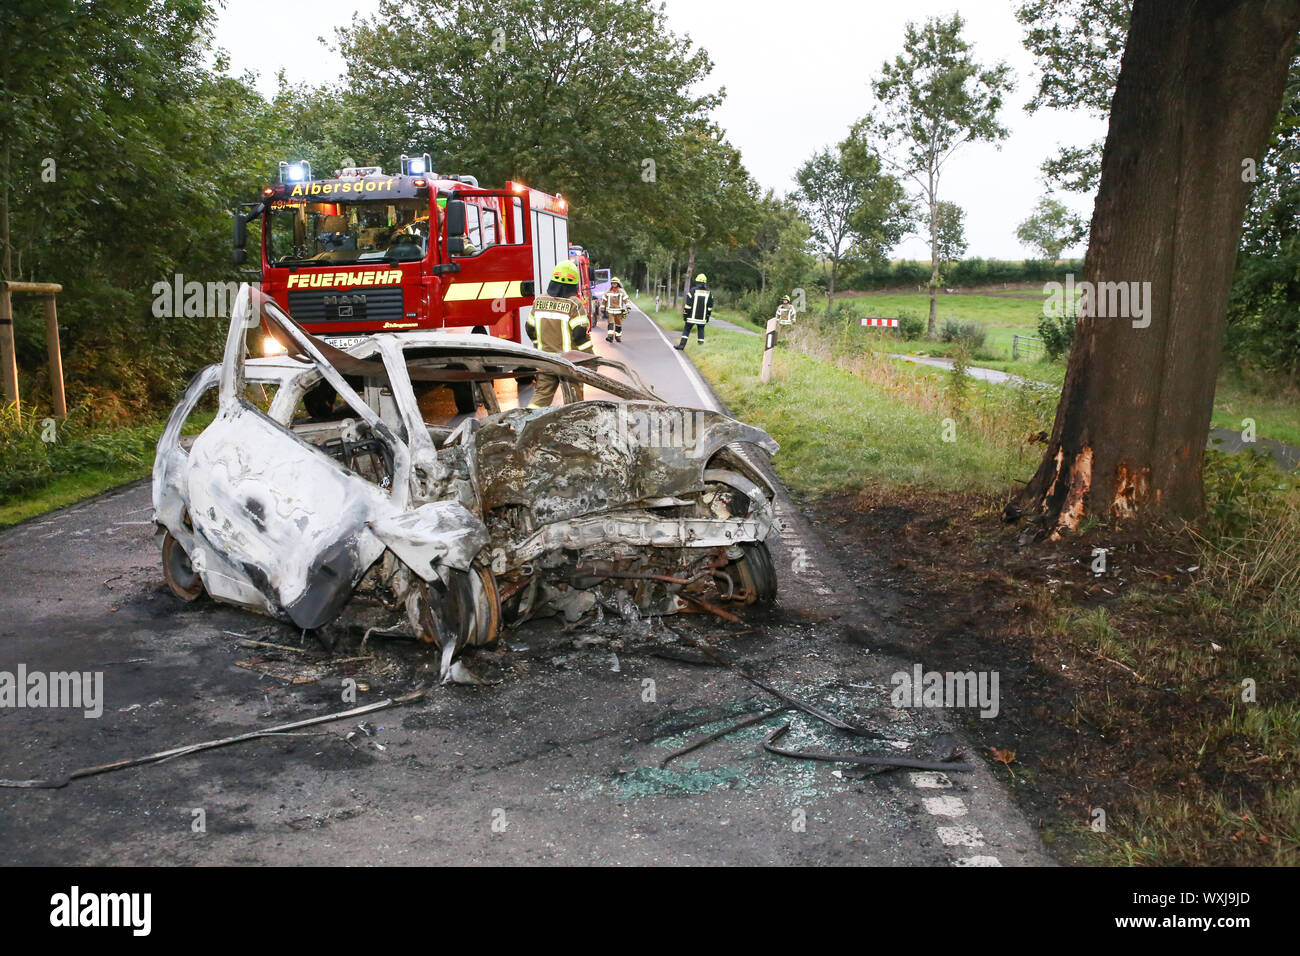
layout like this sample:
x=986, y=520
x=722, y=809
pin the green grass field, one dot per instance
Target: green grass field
x=1001, y=316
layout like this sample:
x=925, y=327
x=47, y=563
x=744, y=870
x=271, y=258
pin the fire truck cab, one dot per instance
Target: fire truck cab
x=365, y=252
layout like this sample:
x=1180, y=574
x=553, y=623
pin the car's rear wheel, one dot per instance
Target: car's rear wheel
x=181, y=577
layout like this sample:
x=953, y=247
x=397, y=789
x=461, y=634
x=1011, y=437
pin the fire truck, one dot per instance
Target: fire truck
x=365, y=251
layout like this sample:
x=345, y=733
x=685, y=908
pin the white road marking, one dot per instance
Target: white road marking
x=930, y=780
x=944, y=806
x=961, y=836
x=978, y=861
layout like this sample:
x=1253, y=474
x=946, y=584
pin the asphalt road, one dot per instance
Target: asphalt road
x=557, y=763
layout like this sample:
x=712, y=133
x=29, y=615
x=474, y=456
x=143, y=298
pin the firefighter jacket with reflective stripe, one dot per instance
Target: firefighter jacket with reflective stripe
x=558, y=325
x=785, y=313
x=698, y=308
x=616, y=302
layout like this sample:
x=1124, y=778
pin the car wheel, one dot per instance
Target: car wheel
x=469, y=612
x=754, y=574
x=181, y=577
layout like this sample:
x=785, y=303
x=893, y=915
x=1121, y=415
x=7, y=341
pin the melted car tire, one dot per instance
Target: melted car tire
x=755, y=573
x=470, y=609
x=184, y=581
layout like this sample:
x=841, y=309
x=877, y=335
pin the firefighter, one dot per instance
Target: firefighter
x=558, y=323
x=785, y=313
x=616, y=304
x=697, y=310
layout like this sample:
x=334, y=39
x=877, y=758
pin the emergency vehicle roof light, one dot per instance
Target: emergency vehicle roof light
x=517, y=187
x=295, y=172
x=420, y=165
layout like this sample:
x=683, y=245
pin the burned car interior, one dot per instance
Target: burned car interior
x=427, y=488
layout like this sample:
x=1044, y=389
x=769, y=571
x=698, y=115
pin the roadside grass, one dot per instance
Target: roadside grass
x=668, y=314
x=849, y=419
x=38, y=476
x=1224, y=645
x=1274, y=407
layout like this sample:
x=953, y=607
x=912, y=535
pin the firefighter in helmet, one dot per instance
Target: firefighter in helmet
x=697, y=310
x=616, y=304
x=785, y=313
x=557, y=323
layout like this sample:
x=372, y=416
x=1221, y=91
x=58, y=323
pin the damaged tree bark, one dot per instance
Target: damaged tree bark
x=1198, y=93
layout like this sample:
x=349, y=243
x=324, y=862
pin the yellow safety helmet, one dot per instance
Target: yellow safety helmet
x=701, y=278
x=566, y=273
x=785, y=298
x=616, y=281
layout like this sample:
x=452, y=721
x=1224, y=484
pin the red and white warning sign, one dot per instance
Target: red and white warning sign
x=887, y=323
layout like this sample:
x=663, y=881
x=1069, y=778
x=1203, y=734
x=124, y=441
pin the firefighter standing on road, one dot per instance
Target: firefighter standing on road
x=558, y=323
x=785, y=313
x=616, y=303
x=697, y=310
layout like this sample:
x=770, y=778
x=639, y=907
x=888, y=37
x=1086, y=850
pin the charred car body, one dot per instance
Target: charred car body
x=459, y=522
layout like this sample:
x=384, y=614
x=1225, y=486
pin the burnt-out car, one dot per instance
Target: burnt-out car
x=458, y=521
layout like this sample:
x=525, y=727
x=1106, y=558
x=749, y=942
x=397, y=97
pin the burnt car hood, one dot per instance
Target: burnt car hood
x=570, y=461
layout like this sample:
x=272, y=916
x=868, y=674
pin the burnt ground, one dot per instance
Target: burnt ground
x=565, y=751
x=1086, y=729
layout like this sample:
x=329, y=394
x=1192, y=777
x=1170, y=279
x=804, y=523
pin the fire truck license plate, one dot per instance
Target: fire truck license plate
x=344, y=341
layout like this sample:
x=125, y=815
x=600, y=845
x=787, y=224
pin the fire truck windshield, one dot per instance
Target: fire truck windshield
x=304, y=233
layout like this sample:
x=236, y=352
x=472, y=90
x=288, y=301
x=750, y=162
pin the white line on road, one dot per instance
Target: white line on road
x=977, y=861
x=944, y=806
x=961, y=836
x=931, y=780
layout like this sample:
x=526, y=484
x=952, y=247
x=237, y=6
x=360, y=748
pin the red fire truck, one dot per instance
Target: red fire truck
x=366, y=252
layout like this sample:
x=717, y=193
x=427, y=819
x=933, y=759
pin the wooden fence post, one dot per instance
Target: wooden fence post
x=8, y=358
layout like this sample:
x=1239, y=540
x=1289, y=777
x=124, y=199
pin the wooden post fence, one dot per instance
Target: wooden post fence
x=8, y=355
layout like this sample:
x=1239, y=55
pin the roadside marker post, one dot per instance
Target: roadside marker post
x=769, y=343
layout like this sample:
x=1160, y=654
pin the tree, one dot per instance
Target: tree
x=1199, y=88
x=950, y=231
x=933, y=99
x=1050, y=228
x=850, y=204
x=533, y=90
x=777, y=250
x=1264, y=313
x=1077, y=45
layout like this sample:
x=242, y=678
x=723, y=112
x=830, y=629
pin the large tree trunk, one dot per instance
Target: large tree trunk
x=1199, y=90
x=690, y=267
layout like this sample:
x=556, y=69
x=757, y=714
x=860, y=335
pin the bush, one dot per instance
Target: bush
x=910, y=325
x=757, y=306
x=971, y=335
x=28, y=462
x=1057, y=335
x=24, y=458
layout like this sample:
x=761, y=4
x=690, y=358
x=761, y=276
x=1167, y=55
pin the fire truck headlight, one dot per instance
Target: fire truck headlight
x=271, y=346
x=417, y=166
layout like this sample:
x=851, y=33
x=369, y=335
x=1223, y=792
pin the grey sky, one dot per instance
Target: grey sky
x=796, y=76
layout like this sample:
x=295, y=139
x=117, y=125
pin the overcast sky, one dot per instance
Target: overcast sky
x=796, y=75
